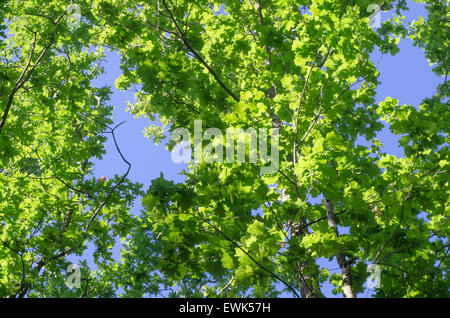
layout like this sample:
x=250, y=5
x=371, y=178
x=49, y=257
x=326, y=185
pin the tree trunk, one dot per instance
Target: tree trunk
x=343, y=263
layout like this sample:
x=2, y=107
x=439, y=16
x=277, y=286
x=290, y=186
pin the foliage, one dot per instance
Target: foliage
x=228, y=230
x=54, y=123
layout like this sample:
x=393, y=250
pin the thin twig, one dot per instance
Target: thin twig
x=226, y=286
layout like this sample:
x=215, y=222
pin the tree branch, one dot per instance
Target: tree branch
x=197, y=55
x=224, y=235
x=345, y=265
x=23, y=79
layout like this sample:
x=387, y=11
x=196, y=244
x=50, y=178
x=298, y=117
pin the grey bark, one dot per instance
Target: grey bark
x=343, y=263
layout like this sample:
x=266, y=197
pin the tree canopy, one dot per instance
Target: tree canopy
x=301, y=66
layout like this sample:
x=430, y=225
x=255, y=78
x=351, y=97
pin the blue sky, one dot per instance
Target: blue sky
x=406, y=76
